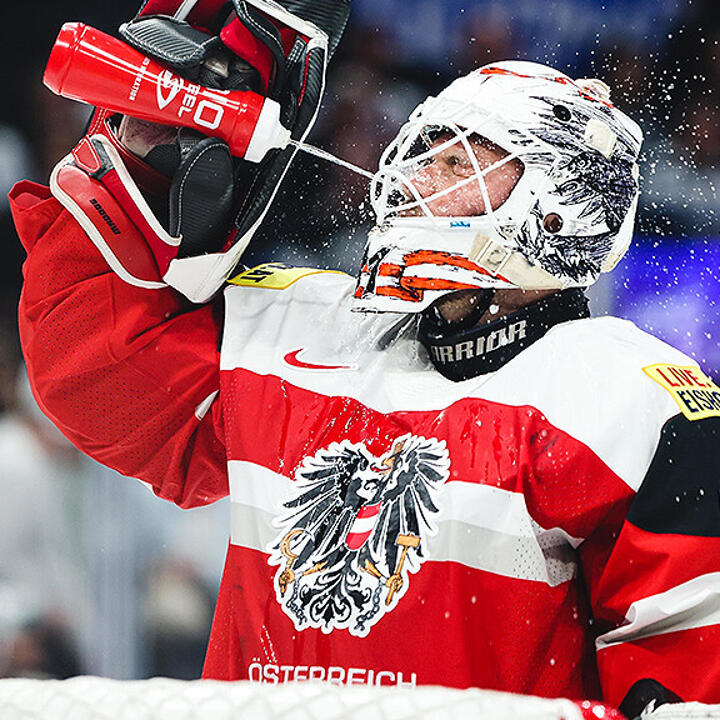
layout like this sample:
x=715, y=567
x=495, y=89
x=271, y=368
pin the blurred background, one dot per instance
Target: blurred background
x=96, y=575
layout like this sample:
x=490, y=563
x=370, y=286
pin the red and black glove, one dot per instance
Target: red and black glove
x=168, y=206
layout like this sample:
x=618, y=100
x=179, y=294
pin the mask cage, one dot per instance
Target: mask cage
x=393, y=193
x=394, y=189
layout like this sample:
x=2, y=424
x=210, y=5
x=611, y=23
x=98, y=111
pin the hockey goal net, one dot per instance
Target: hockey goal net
x=91, y=698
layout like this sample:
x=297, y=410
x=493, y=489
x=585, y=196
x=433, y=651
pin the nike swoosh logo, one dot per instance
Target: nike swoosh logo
x=292, y=359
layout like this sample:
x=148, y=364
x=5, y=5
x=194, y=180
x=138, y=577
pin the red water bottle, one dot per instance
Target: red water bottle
x=88, y=65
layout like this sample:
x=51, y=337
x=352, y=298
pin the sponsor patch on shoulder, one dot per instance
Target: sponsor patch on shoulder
x=275, y=276
x=695, y=393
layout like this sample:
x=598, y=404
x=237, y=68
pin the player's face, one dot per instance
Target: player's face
x=444, y=181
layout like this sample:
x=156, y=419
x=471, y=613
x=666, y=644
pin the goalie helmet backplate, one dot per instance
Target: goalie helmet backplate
x=568, y=218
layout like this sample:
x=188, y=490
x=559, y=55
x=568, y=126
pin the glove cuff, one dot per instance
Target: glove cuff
x=94, y=185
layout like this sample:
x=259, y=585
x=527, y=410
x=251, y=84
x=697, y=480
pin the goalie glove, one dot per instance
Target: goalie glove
x=213, y=202
x=95, y=185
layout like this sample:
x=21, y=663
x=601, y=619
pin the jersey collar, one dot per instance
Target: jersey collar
x=459, y=352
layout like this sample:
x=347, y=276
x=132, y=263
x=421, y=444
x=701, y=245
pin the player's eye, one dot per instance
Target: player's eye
x=459, y=164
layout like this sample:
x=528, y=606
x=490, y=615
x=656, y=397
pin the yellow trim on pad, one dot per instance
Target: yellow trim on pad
x=275, y=276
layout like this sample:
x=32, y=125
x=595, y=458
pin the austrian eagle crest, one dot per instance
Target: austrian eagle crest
x=354, y=530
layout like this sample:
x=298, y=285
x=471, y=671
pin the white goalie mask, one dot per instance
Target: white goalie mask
x=568, y=162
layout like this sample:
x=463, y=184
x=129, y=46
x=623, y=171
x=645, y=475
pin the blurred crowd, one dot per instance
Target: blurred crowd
x=97, y=576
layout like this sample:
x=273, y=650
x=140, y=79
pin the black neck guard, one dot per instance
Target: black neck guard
x=460, y=352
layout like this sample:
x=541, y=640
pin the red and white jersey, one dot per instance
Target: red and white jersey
x=549, y=528
x=514, y=475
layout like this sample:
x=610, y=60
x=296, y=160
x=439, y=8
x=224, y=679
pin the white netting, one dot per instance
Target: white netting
x=686, y=711
x=90, y=698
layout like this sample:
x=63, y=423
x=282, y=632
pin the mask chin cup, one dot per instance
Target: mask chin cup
x=513, y=266
x=410, y=263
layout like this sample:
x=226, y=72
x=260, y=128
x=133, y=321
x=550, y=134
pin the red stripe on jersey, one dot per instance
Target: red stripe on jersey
x=513, y=448
x=455, y=627
x=659, y=563
x=667, y=658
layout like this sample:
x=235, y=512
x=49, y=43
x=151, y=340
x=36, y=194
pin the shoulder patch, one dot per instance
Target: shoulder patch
x=695, y=393
x=275, y=276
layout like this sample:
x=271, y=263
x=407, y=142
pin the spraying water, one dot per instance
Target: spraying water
x=317, y=152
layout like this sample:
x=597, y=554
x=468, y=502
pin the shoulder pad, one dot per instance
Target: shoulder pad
x=695, y=393
x=276, y=276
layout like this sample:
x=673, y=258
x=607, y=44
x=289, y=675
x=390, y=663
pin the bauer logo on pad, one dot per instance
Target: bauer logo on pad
x=695, y=393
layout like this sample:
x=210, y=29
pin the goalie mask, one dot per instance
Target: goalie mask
x=515, y=176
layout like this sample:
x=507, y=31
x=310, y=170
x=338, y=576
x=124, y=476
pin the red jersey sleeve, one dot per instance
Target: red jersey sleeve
x=129, y=375
x=655, y=590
